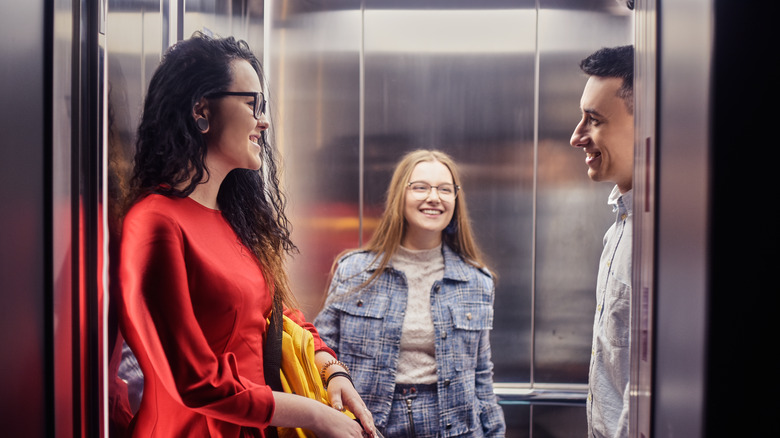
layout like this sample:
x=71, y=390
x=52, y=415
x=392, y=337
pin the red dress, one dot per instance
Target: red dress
x=194, y=303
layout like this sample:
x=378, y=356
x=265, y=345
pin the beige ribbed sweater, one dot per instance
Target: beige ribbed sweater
x=417, y=359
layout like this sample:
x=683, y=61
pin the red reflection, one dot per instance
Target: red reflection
x=321, y=232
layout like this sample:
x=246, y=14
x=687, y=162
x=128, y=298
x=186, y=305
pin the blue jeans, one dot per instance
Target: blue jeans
x=415, y=412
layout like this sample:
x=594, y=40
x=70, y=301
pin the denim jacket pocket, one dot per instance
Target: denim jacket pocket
x=472, y=316
x=362, y=321
x=469, y=320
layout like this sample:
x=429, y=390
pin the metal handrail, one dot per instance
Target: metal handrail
x=524, y=393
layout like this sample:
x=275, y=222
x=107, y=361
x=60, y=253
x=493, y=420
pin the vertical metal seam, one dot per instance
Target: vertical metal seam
x=165, y=24
x=75, y=141
x=180, y=20
x=361, y=121
x=49, y=337
x=534, y=190
x=267, y=22
x=102, y=206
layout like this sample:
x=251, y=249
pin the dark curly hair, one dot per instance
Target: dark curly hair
x=614, y=62
x=171, y=151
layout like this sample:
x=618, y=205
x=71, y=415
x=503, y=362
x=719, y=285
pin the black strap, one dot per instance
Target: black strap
x=272, y=354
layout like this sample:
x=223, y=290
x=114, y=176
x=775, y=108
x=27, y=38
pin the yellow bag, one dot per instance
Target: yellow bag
x=299, y=372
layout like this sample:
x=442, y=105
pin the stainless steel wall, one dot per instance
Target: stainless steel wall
x=24, y=228
x=138, y=32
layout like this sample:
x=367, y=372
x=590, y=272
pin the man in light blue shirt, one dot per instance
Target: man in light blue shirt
x=606, y=135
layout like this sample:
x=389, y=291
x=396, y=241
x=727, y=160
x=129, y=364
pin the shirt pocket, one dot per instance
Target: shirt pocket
x=617, y=322
x=469, y=320
x=361, y=324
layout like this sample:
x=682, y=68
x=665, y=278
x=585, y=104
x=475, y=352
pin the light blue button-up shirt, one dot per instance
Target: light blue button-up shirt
x=364, y=328
x=608, y=397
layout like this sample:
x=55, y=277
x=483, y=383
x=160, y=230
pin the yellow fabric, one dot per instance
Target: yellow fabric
x=299, y=372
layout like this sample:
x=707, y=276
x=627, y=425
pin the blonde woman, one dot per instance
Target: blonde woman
x=410, y=314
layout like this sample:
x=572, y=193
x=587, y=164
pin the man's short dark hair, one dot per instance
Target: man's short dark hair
x=614, y=62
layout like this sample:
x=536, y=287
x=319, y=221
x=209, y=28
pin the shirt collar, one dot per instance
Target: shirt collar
x=622, y=202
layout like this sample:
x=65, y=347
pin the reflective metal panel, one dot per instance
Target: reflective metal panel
x=556, y=421
x=313, y=55
x=135, y=41
x=572, y=213
x=462, y=81
x=61, y=243
x=645, y=158
x=134, y=45
x=25, y=326
x=518, y=420
x=242, y=19
x=685, y=242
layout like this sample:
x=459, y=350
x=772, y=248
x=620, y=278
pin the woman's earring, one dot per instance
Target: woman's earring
x=203, y=124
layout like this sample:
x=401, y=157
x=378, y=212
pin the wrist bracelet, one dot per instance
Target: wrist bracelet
x=339, y=374
x=332, y=362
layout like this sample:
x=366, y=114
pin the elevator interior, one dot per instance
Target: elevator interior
x=709, y=168
x=355, y=84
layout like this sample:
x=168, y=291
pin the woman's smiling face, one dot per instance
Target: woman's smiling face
x=235, y=136
x=426, y=218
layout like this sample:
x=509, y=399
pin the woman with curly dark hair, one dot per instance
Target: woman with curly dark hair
x=202, y=257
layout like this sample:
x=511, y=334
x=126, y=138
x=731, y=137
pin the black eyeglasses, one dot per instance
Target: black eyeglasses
x=258, y=105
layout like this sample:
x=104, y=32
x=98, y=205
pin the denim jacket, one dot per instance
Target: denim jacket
x=364, y=328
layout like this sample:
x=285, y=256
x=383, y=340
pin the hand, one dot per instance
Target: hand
x=337, y=425
x=343, y=395
x=296, y=411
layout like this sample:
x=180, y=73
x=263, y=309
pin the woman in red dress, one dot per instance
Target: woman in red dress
x=202, y=257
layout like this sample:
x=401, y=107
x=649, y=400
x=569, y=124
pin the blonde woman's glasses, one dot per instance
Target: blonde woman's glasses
x=421, y=190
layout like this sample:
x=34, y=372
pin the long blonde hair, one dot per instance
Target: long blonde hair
x=392, y=226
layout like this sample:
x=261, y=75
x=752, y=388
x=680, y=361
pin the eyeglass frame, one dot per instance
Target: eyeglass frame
x=258, y=106
x=431, y=187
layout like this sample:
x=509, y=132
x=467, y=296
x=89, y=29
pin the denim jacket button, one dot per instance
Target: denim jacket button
x=360, y=303
x=437, y=288
x=447, y=382
x=444, y=335
x=448, y=426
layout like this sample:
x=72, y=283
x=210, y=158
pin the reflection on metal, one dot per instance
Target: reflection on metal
x=685, y=186
x=569, y=394
x=644, y=221
x=62, y=238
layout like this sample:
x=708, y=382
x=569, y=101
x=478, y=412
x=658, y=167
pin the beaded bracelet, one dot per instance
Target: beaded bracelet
x=333, y=362
x=339, y=374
